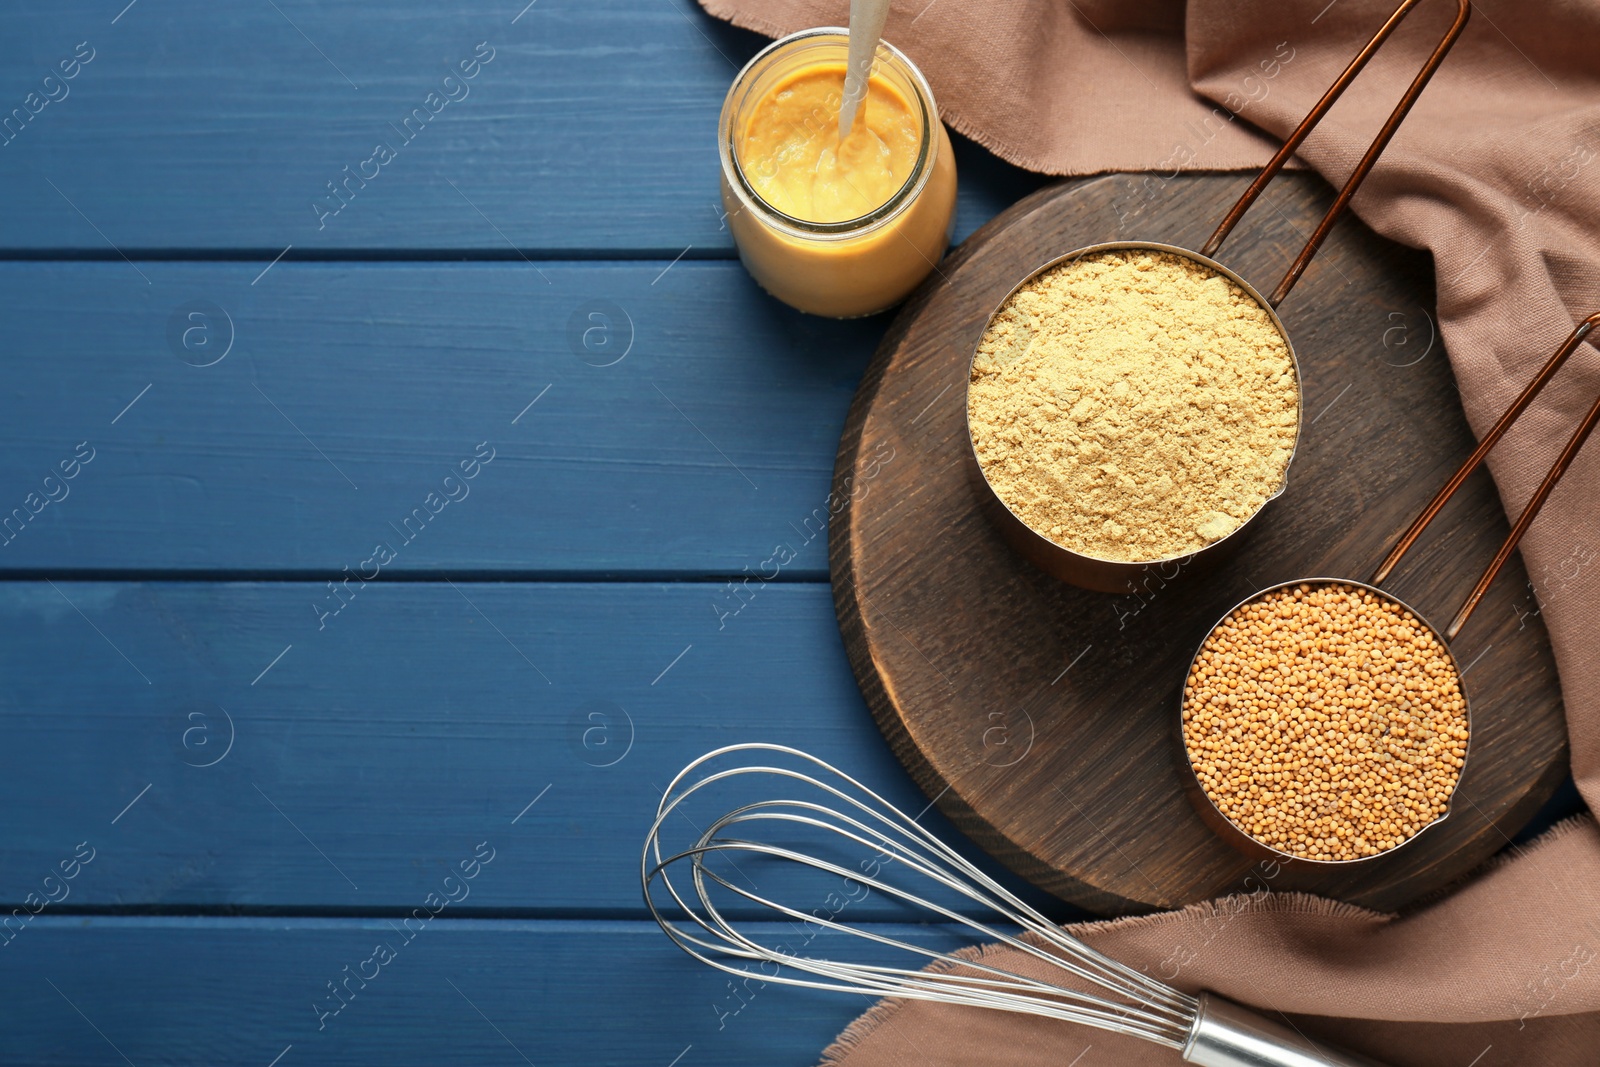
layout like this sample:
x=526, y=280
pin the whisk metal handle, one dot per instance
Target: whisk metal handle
x=1226, y=1035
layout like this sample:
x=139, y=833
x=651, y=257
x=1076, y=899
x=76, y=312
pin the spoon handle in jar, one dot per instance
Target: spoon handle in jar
x=866, y=29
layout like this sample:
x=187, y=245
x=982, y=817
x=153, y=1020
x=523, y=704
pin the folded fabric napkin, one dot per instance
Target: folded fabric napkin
x=1497, y=173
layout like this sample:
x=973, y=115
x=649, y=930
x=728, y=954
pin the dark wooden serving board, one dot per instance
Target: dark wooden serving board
x=1041, y=716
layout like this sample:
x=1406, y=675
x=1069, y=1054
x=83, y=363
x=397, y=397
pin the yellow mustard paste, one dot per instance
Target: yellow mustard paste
x=793, y=158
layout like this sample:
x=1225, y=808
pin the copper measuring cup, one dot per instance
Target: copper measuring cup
x=1209, y=812
x=1123, y=576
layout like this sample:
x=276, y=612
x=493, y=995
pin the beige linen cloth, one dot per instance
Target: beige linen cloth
x=1497, y=172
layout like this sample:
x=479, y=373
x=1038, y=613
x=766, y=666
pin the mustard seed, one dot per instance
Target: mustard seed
x=1326, y=721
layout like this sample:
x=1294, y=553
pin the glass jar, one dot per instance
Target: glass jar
x=862, y=265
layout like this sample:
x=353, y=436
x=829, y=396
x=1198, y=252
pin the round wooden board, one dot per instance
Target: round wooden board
x=1040, y=716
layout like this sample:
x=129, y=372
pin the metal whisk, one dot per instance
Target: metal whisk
x=833, y=810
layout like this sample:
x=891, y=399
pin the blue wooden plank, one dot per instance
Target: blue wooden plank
x=369, y=756
x=84, y=993
x=203, y=126
x=353, y=392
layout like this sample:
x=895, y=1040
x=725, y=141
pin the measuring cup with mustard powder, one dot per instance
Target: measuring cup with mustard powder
x=1122, y=575
x=1449, y=670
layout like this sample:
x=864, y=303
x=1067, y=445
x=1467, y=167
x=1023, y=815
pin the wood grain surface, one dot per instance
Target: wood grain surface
x=421, y=719
x=168, y=991
x=590, y=132
x=1043, y=717
x=682, y=430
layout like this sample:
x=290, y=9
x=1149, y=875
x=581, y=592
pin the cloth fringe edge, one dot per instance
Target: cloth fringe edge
x=974, y=131
x=1297, y=903
x=859, y=1029
x=1566, y=827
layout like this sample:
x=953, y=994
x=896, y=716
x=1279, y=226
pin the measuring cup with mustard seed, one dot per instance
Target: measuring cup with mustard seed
x=1103, y=571
x=1324, y=721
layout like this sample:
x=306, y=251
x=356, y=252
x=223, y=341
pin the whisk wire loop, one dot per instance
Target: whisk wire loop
x=1137, y=1003
x=892, y=981
x=964, y=877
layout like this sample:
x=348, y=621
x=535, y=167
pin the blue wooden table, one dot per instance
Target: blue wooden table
x=386, y=415
x=369, y=517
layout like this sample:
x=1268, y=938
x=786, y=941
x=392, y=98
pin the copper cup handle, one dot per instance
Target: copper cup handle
x=1490, y=439
x=1309, y=123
